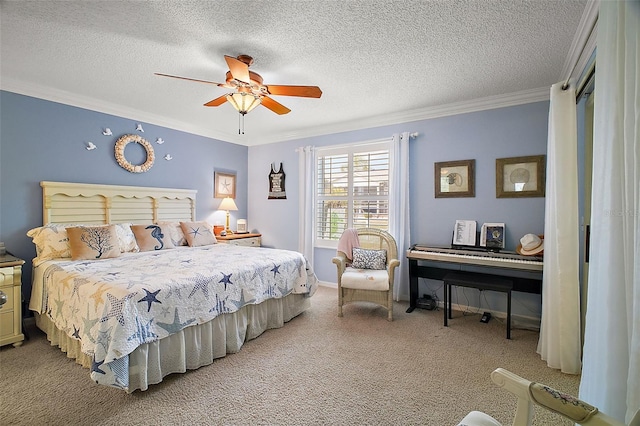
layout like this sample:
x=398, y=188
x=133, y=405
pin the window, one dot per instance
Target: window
x=352, y=189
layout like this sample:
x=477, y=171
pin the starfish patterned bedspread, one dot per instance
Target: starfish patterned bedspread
x=114, y=305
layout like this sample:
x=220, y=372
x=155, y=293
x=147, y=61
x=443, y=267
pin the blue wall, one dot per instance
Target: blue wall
x=42, y=140
x=483, y=136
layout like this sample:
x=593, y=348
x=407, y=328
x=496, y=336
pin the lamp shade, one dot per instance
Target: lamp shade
x=227, y=204
x=243, y=102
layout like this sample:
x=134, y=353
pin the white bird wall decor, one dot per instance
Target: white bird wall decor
x=90, y=146
x=168, y=157
x=159, y=141
x=139, y=128
x=107, y=132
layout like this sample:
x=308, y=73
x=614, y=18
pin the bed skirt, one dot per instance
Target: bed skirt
x=192, y=347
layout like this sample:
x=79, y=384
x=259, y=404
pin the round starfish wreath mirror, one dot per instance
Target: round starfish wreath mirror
x=122, y=143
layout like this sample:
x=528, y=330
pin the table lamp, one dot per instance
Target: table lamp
x=228, y=204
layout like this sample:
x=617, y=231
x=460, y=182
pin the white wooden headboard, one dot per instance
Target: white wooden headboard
x=66, y=202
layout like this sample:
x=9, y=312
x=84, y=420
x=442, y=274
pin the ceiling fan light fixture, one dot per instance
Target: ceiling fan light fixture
x=244, y=102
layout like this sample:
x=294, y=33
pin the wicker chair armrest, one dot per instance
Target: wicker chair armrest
x=391, y=267
x=393, y=263
x=341, y=262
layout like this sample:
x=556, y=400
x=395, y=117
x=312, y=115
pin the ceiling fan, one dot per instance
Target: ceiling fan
x=249, y=90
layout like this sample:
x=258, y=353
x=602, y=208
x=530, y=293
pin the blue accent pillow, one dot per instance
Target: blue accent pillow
x=369, y=259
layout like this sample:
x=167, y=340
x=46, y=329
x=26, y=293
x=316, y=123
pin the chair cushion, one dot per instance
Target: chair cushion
x=365, y=279
x=369, y=259
x=477, y=418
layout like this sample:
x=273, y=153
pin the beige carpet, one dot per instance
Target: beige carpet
x=318, y=369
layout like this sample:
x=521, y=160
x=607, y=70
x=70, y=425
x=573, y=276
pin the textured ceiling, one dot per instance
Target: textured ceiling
x=377, y=62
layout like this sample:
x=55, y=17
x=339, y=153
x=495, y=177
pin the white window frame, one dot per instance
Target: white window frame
x=373, y=145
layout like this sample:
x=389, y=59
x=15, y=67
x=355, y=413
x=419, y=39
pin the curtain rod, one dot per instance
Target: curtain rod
x=586, y=81
x=565, y=86
x=587, y=44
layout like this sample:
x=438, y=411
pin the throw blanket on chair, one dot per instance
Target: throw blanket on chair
x=348, y=241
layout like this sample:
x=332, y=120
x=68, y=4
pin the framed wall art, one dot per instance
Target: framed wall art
x=455, y=179
x=519, y=177
x=224, y=185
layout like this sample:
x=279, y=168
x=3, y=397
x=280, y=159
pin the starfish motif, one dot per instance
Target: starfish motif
x=58, y=254
x=195, y=232
x=226, y=279
x=284, y=290
x=95, y=366
x=59, y=306
x=143, y=333
x=150, y=298
x=104, y=339
x=76, y=333
x=97, y=295
x=176, y=325
x=117, y=305
x=66, y=281
x=77, y=282
x=240, y=303
x=275, y=270
x=173, y=290
x=202, y=283
x=221, y=305
x=88, y=325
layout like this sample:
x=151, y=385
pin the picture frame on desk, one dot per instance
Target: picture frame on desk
x=520, y=177
x=455, y=179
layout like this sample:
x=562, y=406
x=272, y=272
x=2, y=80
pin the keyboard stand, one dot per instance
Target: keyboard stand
x=481, y=282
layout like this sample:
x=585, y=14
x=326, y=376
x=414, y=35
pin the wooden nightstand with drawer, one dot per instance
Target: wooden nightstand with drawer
x=11, y=311
x=250, y=240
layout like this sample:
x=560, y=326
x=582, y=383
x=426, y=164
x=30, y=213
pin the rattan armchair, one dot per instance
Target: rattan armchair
x=350, y=290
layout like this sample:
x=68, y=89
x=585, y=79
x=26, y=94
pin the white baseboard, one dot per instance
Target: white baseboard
x=517, y=321
x=327, y=284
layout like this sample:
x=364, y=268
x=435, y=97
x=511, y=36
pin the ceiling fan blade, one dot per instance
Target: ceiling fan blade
x=217, y=101
x=303, y=91
x=239, y=70
x=192, y=79
x=274, y=106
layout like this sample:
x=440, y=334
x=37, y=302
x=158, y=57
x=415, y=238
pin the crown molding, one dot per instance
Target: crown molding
x=584, y=42
x=487, y=103
x=72, y=99
x=481, y=104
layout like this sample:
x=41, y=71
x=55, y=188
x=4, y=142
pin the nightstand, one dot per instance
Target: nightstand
x=249, y=240
x=11, y=311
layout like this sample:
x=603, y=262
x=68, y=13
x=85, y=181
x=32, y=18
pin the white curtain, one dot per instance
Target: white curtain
x=559, y=342
x=306, y=182
x=399, y=210
x=611, y=372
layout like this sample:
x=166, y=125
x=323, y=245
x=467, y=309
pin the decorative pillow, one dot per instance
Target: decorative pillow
x=126, y=238
x=369, y=259
x=152, y=237
x=198, y=233
x=175, y=232
x=93, y=242
x=51, y=241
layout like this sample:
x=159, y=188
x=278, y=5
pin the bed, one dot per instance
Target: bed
x=138, y=316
